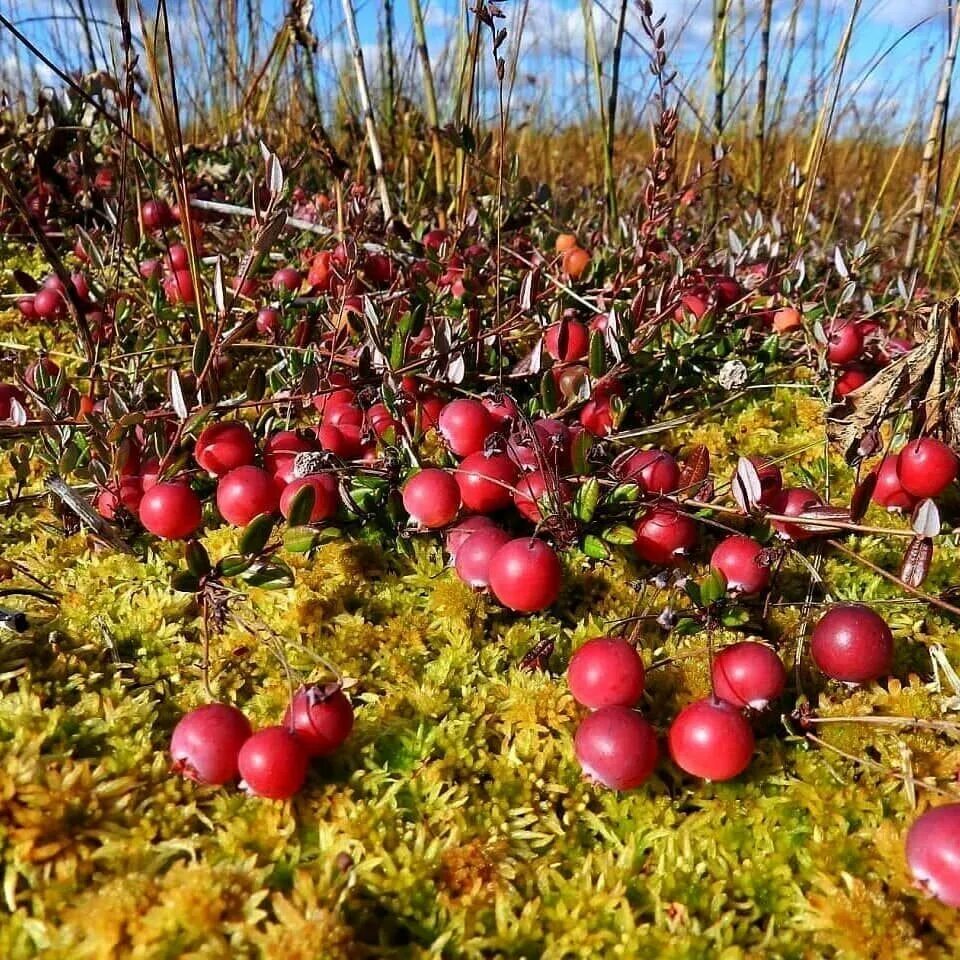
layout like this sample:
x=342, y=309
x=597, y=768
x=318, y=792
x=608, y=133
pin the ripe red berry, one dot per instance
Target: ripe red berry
x=178, y=287
x=321, y=716
x=889, y=492
x=926, y=467
x=711, y=739
x=27, y=310
x=128, y=493
x=597, y=417
x=525, y=575
x=656, y=471
x=171, y=510
x=748, y=674
x=457, y=536
x=49, y=304
x=286, y=280
x=273, y=763
x=502, y=409
x=850, y=379
x=281, y=449
x=567, y=340
x=844, y=342
x=616, y=747
x=606, y=672
x=245, y=493
x=853, y=644
x=326, y=496
x=329, y=400
x=177, y=257
x=535, y=498
x=222, y=447
x=475, y=555
x=738, y=558
x=156, y=214
x=432, y=498
x=933, y=852
x=664, y=534
x=791, y=502
x=465, y=425
x=206, y=743
x=486, y=481
x=344, y=441
x=268, y=321
x=771, y=480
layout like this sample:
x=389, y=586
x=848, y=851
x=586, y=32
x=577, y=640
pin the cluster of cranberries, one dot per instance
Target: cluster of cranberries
x=923, y=469
x=215, y=744
x=857, y=349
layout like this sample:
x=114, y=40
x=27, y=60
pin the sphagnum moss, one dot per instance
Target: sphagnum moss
x=456, y=822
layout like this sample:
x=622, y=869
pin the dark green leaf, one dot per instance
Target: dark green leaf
x=198, y=560
x=686, y=627
x=624, y=493
x=735, y=617
x=274, y=575
x=586, y=500
x=302, y=507
x=713, y=588
x=596, y=355
x=548, y=392
x=300, y=539
x=234, y=565
x=256, y=384
x=582, y=443
x=692, y=590
x=256, y=534
x=201, y=352
x=183, y=581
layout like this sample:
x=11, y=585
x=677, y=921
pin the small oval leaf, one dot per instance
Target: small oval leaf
x=234, y=565
x=696, y=466
x=301, y=509
x=300, y=539
x=916, y=561
x=926, y=519
x=594, y=547
x=256, y=534
x=586, y=500
x=198, y=560
x=183, y=581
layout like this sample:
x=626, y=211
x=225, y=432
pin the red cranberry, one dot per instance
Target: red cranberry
x=844, y=342
x=664, y=534
x=206, y=743
x=49, y=304
x=771, y=480
x=171, y=510
x=286, y=280
x=486, y=481
x=711, y=739
x=748, y=674
x=926, y=467
x=281, y=448
x=534, y=490
x=525, y=575
x=465, y=425
x=178, y=288
x=933, y=852
x=616, y=747
x=268, y=321
x=791, y=502
x=853, y=644
x=656, y=471
x=321, y=717
x=606, y=672
x=457, y=536
x=245, y=493
x=597, y=417
x=127, y=493
x=567, y=340
x=325, y=492
x=382, y=422
x=738, y=559
x=889, y=492
x=177, y=257
x=273, y=764
x=432, y=498
x=156, y=214
x=476, y=554
x=850, y=379
x=27, y=309
x=503, y=409
x=222, y=447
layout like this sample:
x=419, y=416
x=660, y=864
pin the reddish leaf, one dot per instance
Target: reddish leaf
x=696, y=466
x=26, y=282
x=916, y=561
x=861, y=497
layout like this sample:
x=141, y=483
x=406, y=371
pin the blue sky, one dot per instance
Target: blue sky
x=553, y=72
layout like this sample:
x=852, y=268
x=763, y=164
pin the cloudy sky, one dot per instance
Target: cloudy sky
x=892, y=66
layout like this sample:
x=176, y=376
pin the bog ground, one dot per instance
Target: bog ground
x=450, y=510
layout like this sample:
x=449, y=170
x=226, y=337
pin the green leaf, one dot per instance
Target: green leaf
x=256, y=534
x=397, y=350
x=256, y=384
x=596, y=355
x=300, y=539
x=234, y=565
x=548, y=392
x=582, y=444
x=621, y=534
x=625, y=493
x=302, y=507
x=274, y=575
x=68, y=460
x=735, y=617
x=586, y=500
x=713, y=588
x=198, y=560
x=686, y=627
x=692, y=590
x=183, y=581
x=201, y=352
x=594, y=547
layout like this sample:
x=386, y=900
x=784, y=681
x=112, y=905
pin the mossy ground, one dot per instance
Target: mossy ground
x=455, y=822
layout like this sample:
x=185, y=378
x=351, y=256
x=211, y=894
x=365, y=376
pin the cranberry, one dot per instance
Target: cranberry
x=321, y=717
x=245, y=493
x=534, y=490
x=222, y=447
x=325, y=492
x=486, y=481
x=127, y=493
x=748, y=674
x=889, y=492
x=844, y=343
x=286, y=280
x=457, y=536
x=738, y=559
x=171, y=510
x=926, y=467
x=525, y=575
x=432, y=498
x=273, y=763
x=281, y=449
x=850, y=379
x=344, y=441
x=656, y=471
x=206, y=743
x=771, y=480
x=382, y=421
x=597, y=417
x=475, y=555
x=853, y=644
x=791, y=502
x=711, y=739
x=933, y=852
x=616, y=747
x=606, y=672
x=465, y=425
x=155, y=215
x=27, y=309
x=178, y=287
x=49, y=304
x=177, y=257
x=268, y=321
x=328, y=401
x=503, y=410
x=567, y=340
x=664, y=534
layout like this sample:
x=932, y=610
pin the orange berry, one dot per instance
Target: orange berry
x=575, y=262
x=787, y=319
x=565, y=242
